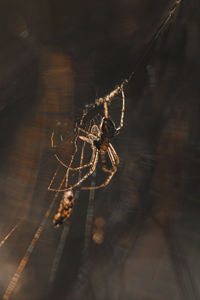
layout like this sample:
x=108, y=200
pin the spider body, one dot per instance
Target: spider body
x=108, y=130
x=98, y=137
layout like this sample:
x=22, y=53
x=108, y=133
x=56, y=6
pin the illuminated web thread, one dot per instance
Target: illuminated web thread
x=60, y=248
x=89, y=218
x=88, y=230
x=65, y=230
x=119, y=88
x=9, y=234
x=71, y=161
x=29, y=251
x=59, y=252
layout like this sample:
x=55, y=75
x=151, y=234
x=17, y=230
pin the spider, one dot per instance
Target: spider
x=98, y=137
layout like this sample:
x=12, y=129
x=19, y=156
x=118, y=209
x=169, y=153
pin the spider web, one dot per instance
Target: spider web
x=93, y=111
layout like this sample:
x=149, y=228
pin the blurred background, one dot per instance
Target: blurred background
x=139, y=237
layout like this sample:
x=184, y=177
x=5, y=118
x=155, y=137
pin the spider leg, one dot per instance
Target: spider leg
x=105, y=109
x=72, y=157
x=105, y=113
x=112, y=159
x=52, y=136
x=112, y=172
x=83, y=130
x=122, y=110
x=69, y=168
x=81, y=160
x=67, y=173
x=92, y=169
x=55, y=173
x=62, y=163
x=88, y=134
x=77, y=168
x=114, y=153
x=103, y=160
x=82, y=155
x=71, y=161
x=101, y=124
x=111, y=156
x=76, y=149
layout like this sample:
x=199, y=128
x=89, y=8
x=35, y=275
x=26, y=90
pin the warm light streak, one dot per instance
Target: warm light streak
x=29, y=250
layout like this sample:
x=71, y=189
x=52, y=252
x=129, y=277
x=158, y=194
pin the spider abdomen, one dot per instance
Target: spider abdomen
x=104, y=144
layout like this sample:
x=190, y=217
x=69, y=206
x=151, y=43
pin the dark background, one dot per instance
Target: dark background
x=55, y=57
